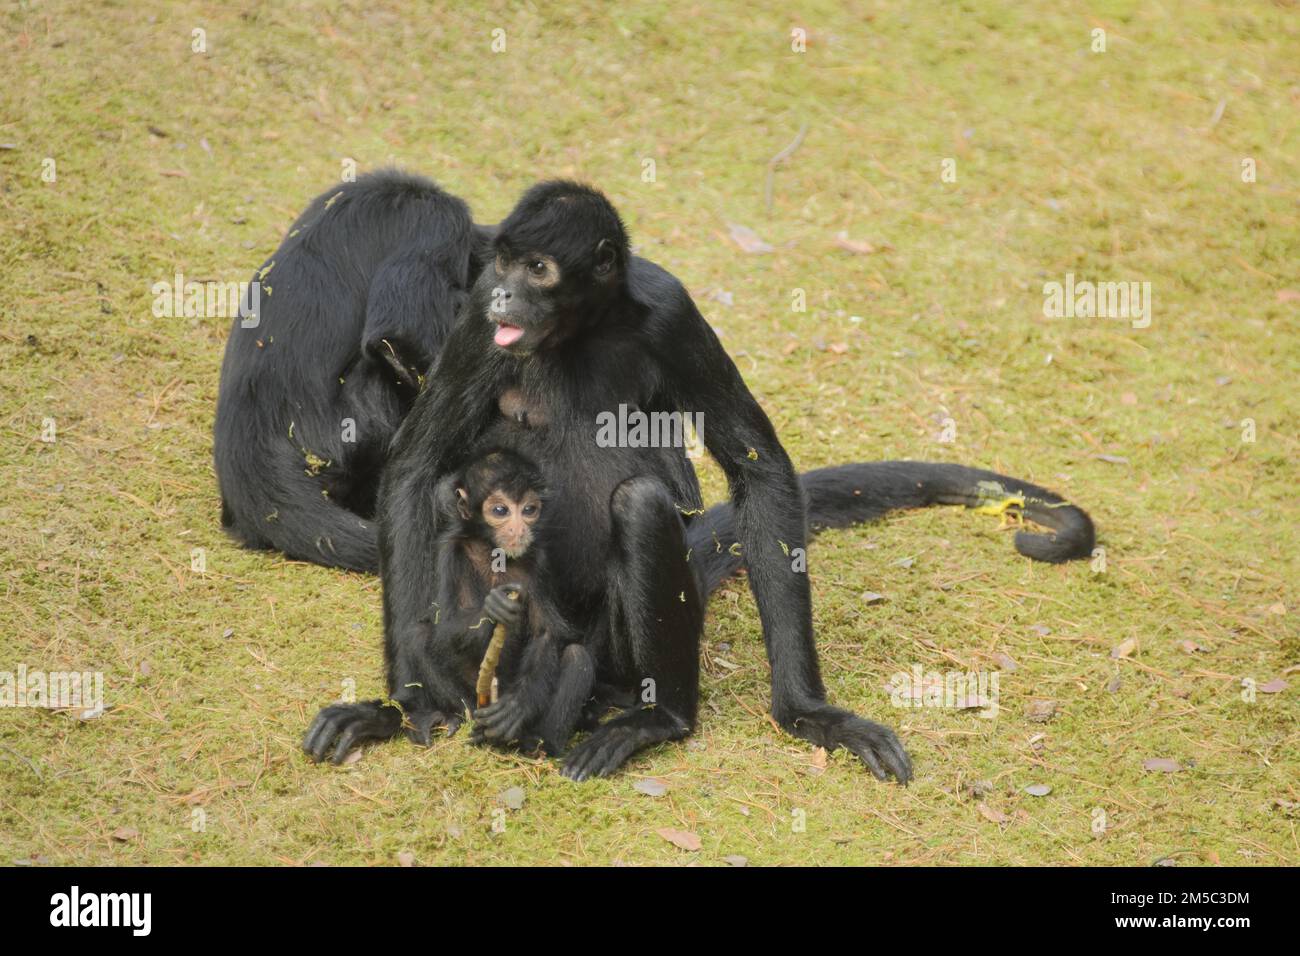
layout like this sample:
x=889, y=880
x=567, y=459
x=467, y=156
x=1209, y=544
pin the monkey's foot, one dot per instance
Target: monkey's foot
x=420, y=725
x=344, y=726
x=612, y=743
x=875, y=744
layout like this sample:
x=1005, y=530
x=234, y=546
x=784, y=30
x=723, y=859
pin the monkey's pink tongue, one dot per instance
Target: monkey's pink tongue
x=508, y=334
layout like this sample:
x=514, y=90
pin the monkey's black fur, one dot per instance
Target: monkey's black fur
x=546, y=677
x=354, y=306
x=845, y=495
x=565, y=326
x=836, y=497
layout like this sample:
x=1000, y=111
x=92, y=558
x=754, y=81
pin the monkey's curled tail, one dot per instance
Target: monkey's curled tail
x=845, y=495
x=268, y=503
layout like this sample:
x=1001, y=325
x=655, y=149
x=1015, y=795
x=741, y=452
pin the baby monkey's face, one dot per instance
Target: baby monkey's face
x=512, y=521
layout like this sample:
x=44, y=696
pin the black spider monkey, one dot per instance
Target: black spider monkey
x=351, y=310
x=557, y=676
x=491, y=561
x=565, y=326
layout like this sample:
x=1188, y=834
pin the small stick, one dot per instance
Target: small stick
x=777, y=160
x=488, y=669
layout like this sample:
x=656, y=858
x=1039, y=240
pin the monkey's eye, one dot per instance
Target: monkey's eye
x=530, y=510
x=500, y=510
x=537, y=268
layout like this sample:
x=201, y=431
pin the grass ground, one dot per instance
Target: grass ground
x=1122, y=165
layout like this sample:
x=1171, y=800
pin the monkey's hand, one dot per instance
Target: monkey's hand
x=504, y=609
x=505, y=722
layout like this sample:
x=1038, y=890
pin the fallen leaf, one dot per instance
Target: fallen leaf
x=1161, y=764
x=748, y=239
x=651, y=787
x=871, y=597
x=1006, y=662
x=1114, y=684
x=1038, y=789
x=512, y=798
x=991, y=814
x=1124, y=648
x=1275, y=686
x=680, y=838
x=406, y=858
x=1288, y=295
x=860, y=247
x=819, y=758
x=1112, y=459
x=736, y=860
x=1041, y=711
x=125, y=834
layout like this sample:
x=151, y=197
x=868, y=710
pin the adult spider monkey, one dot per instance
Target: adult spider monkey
x=352, y=308
x=566, y=325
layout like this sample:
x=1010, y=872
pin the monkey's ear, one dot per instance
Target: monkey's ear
x=462, y=503
x=606, y=257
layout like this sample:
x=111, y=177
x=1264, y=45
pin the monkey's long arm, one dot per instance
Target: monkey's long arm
x=448, y=415
x=771, y=523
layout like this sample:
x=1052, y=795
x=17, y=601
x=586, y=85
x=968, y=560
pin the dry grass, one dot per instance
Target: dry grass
x=1112, y=166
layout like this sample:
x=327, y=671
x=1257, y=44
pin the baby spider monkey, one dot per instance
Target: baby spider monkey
x=492, y=568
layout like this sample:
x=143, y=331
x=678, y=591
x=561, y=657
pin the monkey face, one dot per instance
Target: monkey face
x=525, y=300
x=562, y=256
x=511, y=522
